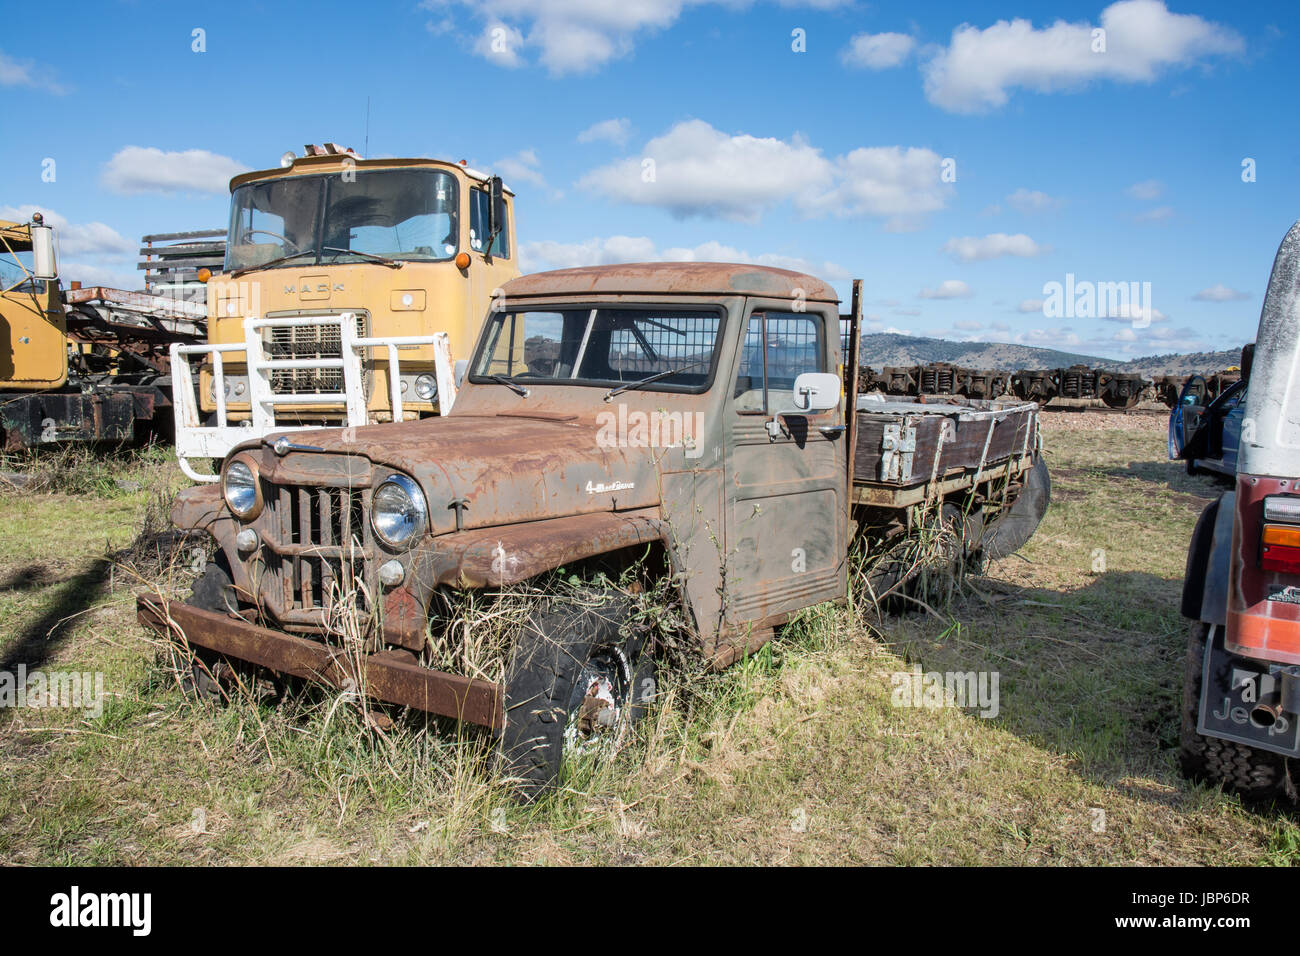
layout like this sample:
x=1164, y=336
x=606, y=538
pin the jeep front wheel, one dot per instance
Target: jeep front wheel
x=579, y=678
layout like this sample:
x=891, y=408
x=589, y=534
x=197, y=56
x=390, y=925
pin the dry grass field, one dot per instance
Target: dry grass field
x=799, y=755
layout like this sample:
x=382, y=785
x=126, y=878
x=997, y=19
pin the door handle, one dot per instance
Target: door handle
x=832, y=431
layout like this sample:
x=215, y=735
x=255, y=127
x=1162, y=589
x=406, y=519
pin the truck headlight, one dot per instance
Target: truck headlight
x=398, y=511
x=240, y=488
x=426, y=387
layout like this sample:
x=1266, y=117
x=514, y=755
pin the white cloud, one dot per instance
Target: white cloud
x=91, y=252
x=79, y=239
x=141, y=169
x=696, y=170
x=979, y=68
x=573, y=36
x=908, y=312
x=612, y=250
x=877, y=51
x=1220, y=293
x=992, y=246
x=901, y=184
x=14, y=72
x=1048, y=338
x=967, y=325
x=1028, y=201
x=947, y=289
x=1030, y=305
x=999, y=327
x=1126, y=312
x=1147, y=190
x=523, y=167
x=89, y=274
x=1155, y=340
x=1158, y=214
x=614, y=131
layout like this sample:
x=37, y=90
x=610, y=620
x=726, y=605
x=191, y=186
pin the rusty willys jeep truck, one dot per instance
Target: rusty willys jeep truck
x=685, y=420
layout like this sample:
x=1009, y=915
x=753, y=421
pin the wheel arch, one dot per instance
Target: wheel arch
x=1205, y=579
x=502, y=556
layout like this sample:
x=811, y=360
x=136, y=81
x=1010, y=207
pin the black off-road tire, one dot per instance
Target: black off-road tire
x=1253, y=774
x=559, y=639
x=214, y=590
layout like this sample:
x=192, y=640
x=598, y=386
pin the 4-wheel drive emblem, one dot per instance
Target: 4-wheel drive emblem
x=602, y=487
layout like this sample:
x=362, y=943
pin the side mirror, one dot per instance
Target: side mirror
x=496, y=211
x=813, y=392
x=43, y=266
x=816, y=392
x=460, y=367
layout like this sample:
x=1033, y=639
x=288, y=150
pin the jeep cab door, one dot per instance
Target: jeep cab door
x=785, y=483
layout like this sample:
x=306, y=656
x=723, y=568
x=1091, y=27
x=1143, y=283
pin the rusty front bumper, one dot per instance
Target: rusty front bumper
x=384, y=677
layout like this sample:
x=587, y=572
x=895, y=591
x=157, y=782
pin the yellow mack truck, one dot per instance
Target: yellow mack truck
x=350, y=288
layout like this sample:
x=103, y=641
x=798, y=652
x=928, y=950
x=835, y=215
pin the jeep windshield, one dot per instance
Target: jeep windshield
x=606, y=346
x=357, y=216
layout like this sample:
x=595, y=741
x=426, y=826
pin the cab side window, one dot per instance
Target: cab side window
x=479, y=209
x=778, y=348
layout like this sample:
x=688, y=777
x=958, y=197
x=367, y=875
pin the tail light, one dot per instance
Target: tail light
x=1280, y=542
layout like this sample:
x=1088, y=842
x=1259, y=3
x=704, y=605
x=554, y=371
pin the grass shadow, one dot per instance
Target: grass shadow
x=1093, y=674
x=38, y=641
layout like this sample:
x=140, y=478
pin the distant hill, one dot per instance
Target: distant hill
x=1199, y=363
x=887, y=348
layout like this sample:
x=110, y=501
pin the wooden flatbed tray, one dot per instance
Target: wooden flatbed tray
x=902, y=444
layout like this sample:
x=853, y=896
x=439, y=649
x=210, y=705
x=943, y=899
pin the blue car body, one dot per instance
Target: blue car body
x=1208, y=437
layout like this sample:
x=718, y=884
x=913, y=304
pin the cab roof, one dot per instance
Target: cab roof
x=673, y=278
x=314, y=165
x=16, y=235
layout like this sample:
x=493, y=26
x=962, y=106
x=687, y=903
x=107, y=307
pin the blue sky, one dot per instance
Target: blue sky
x=957, y=157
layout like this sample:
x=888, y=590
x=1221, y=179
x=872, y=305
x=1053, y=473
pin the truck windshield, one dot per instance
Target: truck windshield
x=601, y=346
x=405, y=214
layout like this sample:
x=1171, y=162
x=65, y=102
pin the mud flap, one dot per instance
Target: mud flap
x=1231, y=688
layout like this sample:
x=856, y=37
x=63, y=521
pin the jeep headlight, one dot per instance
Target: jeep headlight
x=239, y=484
x=426, y=387
x=398, y=511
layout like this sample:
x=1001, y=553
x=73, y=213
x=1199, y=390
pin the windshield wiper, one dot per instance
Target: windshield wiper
x=509, y=383
x=382, y=260
x=652, y=378
x=272, y=262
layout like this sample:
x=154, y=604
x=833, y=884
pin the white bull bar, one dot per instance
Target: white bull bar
x=196, y=440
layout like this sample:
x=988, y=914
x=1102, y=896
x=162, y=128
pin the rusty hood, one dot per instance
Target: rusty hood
x=501, y=469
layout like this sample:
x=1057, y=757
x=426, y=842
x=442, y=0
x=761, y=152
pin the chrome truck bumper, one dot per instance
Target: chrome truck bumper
x=392, y=677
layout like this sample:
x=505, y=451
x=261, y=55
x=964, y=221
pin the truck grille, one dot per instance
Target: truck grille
x=307, y=342
x=324, y=534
